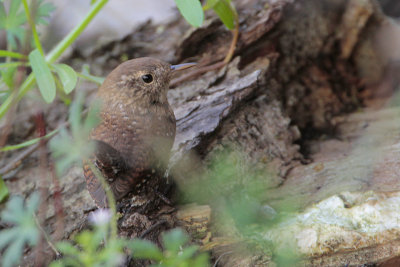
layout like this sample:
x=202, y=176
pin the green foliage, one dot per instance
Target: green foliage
x=43, y=12
x=85, y=73
x=226, y=12
x=89, y=250
x=67, y=75
x=24, y=230
x=192, y=11
x=28, y=143
x=13, y=21
x=14, y=24
x=233, y=185
x=176, y=253
x=43, y=76
x=3, y=190
x=68, y=149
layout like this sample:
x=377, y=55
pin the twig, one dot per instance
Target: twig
x=51, y=245
x=162, y=197
x=220, y=256
x=58, y=205
x=18, y=160
x=151, y=228
x=24, y=154
x=43, y=183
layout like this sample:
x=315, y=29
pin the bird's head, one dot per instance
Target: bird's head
x=141, y=80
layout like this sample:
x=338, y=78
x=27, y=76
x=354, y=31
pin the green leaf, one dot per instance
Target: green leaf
x=85, y=74
x=13, y=253
x=200, y=261
x=188, y=252
x=44, y=78
x=226, y=13
x=210, y=4
x=66, y=248
x=5, y=53
x=144, y=249
x=174, y=239
x=3, y=190
x=192, y=11
x=27, y=143
x=24, y=232
x=3, y=16
x=10, y=65
x=67, y=76
x=44, y=11
x=13, y=22
x=7, y=76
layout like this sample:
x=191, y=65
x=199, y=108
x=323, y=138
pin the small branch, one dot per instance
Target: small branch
x=16, y=162
x=51, y=245
x=43, y=185
x=220, y=256
x=151, y=228
x=58, y=206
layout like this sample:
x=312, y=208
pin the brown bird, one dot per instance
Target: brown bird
x=137, y=128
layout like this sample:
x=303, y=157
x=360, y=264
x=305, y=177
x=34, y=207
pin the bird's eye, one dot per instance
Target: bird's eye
x=147, y=78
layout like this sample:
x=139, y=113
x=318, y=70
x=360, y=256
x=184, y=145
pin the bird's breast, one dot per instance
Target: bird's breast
x=138, y=133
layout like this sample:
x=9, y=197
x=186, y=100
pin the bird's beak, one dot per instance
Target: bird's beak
x=182, y=66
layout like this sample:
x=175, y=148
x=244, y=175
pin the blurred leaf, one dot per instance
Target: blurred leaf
x=13, y=22
x=89, y=250
x=3, y=190
x=144, y=249
x=188, y=252
x=10, y=64
x=24, y=232
x=74, y=117
x=210, y=4
x=68, y=149
x=44, y=78
x=200, y=261
x=226, y=13
x=28, y=143
x=192, y=11
x=8, y=76
x=67, y=76
x=174, y=239
x=66, y=248
x=85, y=74
x=43, y=11
x=5, y=53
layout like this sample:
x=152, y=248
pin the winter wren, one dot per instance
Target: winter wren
x=137, y=128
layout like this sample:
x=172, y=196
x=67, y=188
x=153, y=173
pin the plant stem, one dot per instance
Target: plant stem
x=110, y=198
x=232, y=48
x=33, y=27
x=71, y=37
x=54, y=54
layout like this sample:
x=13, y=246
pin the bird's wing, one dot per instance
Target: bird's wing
x=121, y=177
x=108, y=159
